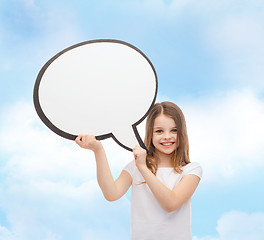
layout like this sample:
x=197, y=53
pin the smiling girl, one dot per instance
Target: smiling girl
x=163, y=180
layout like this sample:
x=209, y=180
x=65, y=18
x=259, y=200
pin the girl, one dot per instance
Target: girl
x=163, y=180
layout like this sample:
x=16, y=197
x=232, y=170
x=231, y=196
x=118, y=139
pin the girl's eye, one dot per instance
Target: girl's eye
x=174, y=130
x=158, y=131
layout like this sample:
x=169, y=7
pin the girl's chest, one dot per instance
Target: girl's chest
x=168, y=177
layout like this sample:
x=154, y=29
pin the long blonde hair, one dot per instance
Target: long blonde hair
x=180, y=157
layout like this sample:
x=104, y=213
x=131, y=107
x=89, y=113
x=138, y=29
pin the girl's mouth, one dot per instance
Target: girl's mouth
x=167, y=143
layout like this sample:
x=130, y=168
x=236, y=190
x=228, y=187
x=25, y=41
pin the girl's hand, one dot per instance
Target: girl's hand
x=88, y=142
x=140, y=155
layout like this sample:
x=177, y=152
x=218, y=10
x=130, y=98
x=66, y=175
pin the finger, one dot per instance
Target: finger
x=89, y=138
x=92, y=138
x=78, y=139
x=135, y=148
x=84, y=138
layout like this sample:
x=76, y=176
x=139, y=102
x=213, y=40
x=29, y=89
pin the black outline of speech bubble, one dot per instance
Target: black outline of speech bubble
x=61, y=133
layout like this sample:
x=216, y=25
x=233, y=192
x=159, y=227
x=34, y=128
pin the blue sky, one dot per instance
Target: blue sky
x=209, y=59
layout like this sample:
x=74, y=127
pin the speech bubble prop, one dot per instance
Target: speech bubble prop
x=100, y=87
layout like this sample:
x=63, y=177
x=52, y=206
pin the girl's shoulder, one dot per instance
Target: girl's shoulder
x=130, y=167
x=193, y=168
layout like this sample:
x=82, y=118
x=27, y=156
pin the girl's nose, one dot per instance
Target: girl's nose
x=167, y=135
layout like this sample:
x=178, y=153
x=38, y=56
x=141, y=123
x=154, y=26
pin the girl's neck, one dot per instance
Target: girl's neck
x=164, y=161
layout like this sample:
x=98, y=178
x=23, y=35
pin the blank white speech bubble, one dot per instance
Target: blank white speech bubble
x=100, y=87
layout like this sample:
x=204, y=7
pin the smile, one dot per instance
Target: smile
x=167, y=143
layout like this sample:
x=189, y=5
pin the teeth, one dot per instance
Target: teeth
x=166, y=144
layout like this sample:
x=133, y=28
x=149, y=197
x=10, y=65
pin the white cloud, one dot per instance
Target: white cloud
x=5, y=234
x=206, y=12
x=41, y=209
x=48, y=184
x=237, y=42
x=238, y=33
x=36, y=150
x=167, y=10
x=239, y=226
x=29, y=3
x=34, y=32
x=229, y=32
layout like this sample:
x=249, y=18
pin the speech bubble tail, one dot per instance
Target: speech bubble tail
x=126, y=141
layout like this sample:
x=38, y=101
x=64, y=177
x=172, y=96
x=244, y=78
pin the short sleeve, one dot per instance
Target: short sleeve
x=130, y=167
x=193, y=168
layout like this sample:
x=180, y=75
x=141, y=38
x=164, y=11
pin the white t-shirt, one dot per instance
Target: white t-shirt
x=149, y=221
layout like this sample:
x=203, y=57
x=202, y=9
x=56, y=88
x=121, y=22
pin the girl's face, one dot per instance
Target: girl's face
x=164, y=136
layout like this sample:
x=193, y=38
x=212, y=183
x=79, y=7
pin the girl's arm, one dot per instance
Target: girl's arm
x=169, y=199
x=111, y=189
